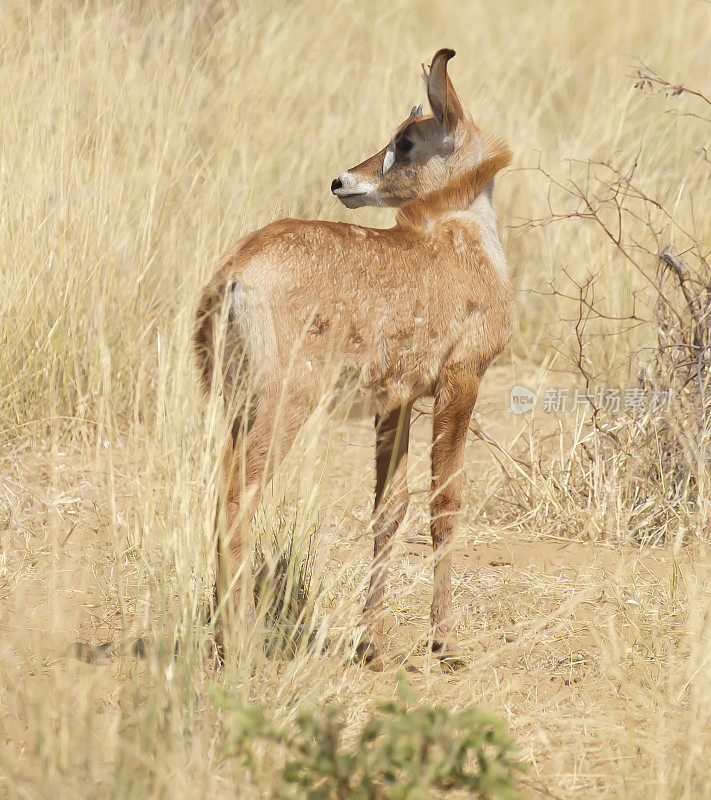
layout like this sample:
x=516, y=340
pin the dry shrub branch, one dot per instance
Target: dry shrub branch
x=637, y=467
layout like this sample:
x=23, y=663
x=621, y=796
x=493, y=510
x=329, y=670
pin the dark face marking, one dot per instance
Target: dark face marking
x=405, y=141
x=403, y=145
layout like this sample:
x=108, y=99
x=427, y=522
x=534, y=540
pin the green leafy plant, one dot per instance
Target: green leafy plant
x=403, y=752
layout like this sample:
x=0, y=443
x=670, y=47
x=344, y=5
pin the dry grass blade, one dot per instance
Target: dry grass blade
x=139, y=140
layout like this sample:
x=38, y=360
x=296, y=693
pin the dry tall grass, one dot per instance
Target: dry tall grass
x=138, y=140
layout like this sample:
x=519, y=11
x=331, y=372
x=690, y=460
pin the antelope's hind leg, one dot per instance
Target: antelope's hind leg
x=392, y=437
x=248, y=464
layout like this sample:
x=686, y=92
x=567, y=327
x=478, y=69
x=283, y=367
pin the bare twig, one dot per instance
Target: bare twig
x=682, y=273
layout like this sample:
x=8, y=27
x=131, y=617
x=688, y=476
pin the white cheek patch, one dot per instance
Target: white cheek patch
x=388, y=161
x=365, y=187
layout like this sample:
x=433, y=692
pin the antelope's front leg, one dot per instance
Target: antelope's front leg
x=392, y=437
x=452, y=411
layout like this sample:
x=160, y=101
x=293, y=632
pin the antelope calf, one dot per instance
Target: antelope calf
x=416, y=310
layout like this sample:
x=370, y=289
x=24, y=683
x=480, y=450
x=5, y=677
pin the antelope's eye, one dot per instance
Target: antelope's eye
x=403, y=144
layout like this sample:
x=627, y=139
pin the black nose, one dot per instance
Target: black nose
x=336, y=184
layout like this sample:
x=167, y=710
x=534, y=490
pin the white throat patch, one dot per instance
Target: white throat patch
x=481, y=213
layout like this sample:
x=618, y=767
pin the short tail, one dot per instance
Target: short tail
x=204, y=331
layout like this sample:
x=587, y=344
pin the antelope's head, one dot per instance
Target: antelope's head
x=425, y=153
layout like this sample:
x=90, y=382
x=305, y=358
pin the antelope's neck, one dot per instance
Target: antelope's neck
x=467, y=200
x=467, y=196
x=480, y=219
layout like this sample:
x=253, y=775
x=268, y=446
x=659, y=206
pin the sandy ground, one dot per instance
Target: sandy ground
x=562, y=635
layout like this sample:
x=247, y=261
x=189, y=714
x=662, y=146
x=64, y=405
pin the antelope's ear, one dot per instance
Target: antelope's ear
x=443, y=99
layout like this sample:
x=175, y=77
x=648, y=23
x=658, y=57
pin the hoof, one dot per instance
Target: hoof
x=368, y=653
x=450, y=663
x=447, y=656
x=376, y=664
